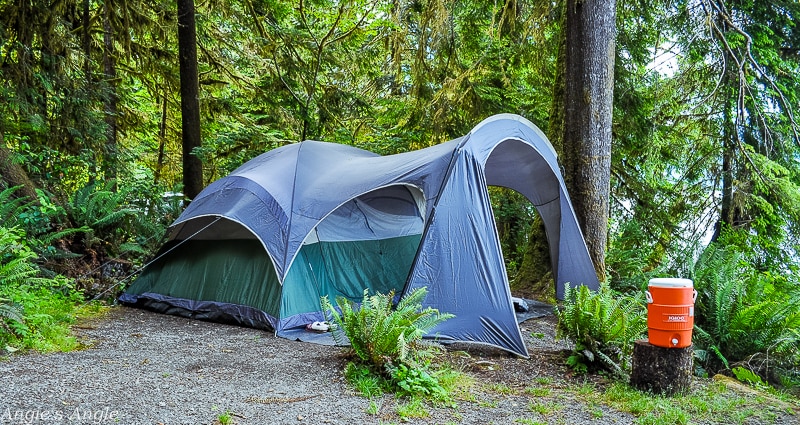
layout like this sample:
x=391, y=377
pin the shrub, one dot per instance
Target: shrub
x=377, y=332
x=745, y=317
x=603, y=325
x=34, y=311
x=102, y=211
x=386, y=340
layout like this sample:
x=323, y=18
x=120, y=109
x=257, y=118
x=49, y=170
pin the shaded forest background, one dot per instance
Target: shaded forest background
x=704, y=142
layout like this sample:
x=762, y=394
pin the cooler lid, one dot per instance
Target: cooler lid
x=671, y=282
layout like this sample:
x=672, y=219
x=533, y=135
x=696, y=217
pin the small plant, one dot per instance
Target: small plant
x=416, y=381
x=225, y=418
x=603, y=325
x=747, y=376
x=373, y=409
x=501, y=389
x=10, y=314
x=525, y=421
x=488, y=403
x=412, y=409
x=538, y=391
x=364, y=381
x=380, y=334
x=544, y=408
x=386, y=341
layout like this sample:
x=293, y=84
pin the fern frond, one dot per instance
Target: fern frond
x=380, y=334
x=11, y=207
x=602, y=324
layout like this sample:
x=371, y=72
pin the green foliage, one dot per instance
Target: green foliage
x=12, y=208
x=743, y=315
x=10, y=315
x=746, y=375
x=603, y=325
x=379, y=333
x=417, y=381
x=414, y=408
x=35, y=311
x=225, y=418
x=16, y=259
x=361, y=377
x=48, y=313
x=706, y=403
x=386, y=340
x=98, y=206
x=111, y=223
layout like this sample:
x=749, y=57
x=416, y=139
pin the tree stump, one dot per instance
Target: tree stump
x=660, y=370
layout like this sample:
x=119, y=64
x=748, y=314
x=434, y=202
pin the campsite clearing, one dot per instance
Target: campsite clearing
x=140, y=367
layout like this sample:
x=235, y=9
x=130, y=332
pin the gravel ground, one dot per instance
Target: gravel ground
x=145, y=368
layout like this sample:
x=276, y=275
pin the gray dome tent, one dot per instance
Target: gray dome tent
x=261, y=245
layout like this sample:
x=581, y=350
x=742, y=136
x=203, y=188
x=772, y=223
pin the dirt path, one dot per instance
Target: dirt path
x=147, y=368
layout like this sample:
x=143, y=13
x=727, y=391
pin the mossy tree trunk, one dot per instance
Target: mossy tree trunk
x=190, y=99
x=534, y=278
x=588, y=99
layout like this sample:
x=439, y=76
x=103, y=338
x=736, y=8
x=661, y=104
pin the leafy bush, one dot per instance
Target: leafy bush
x=377, y=332
x=102, y=209
x=413, y=381
x=745, y=317
x=11, y=208
x=35, y=311
x=603, y=325
x=386, y=340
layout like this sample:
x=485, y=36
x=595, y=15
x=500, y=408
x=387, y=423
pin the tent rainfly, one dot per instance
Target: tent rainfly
x=260, y=246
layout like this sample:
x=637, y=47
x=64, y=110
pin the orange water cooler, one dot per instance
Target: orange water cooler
x=670, y=312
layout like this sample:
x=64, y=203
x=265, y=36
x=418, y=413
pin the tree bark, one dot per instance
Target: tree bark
x=86, y=38
x=660, y=370
x=534, y=279
x=190, y=101
x=110, y=75
x=588, y=101
x=162, y=140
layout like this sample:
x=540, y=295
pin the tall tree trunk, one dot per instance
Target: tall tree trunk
x=86, y=39
x=396, y=43
x=110, y=75
x=190, y=102
x=728, y=142
x=162, y=140
x=588, y=100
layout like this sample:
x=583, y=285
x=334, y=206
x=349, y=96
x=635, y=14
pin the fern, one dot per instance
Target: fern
x=9, y=313
x=603, y=326
x=378, y=333
x=11, y=207
x=744, y=316
x=99, y=207
x=16, y=260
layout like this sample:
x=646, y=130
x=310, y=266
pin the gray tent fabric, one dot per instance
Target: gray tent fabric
x=334, y=219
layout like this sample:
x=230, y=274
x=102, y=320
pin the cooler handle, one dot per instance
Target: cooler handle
x=650, y=296
x=694, y=296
